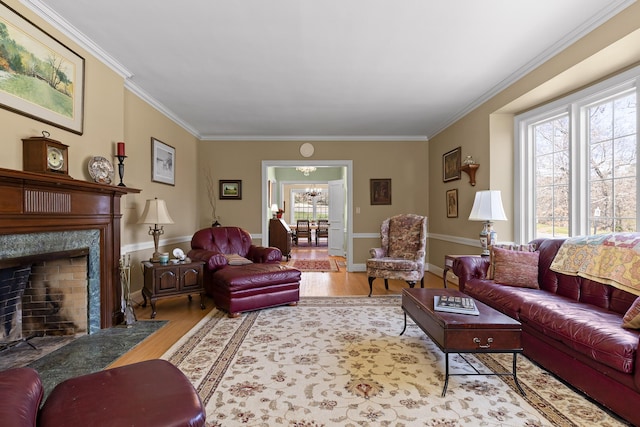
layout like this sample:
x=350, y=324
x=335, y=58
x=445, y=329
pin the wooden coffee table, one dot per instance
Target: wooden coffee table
x=490, y=332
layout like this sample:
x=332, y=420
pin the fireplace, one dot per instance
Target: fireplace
x=43, y=214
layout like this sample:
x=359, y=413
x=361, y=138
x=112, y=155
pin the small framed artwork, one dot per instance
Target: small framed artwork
x=380, y=191
x=451, y=165
x=230, y=189
x=163, y=164
x=452, y=203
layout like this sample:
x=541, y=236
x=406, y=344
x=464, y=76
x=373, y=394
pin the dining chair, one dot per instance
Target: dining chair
x=303, y=230
x=322, y=230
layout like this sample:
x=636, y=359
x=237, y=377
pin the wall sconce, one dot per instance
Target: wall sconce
x=469, y=166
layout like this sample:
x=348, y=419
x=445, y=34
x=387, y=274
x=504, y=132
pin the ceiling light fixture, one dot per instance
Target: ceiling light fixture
x=306, y=170
x=313, y=192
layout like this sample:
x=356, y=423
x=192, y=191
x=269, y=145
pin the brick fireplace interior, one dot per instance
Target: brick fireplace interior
x=45, y=295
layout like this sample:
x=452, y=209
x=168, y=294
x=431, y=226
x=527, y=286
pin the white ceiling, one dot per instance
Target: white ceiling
x=325, y=69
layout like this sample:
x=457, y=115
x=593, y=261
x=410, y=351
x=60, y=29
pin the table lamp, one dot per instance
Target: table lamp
x=155, y=212
x=275, y=209
x=487, y=207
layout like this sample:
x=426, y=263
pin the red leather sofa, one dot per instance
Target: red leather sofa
x=150, y=393
x=570, y=326
x=259, y=283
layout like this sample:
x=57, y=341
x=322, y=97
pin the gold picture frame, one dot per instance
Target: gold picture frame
x=51, y=88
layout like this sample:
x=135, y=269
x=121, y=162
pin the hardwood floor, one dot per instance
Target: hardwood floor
x=183, y=315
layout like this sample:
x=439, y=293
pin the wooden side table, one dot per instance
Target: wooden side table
x=448, y=265
x=168, y=280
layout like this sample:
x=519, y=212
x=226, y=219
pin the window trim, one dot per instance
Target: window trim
x=573, y=105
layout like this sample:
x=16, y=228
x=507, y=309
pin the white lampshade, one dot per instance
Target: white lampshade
x=155, y=212
x=274, y=208
x=487, y=207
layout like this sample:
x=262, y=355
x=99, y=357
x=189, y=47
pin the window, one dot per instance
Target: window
x=311, y=203
x=576, y=160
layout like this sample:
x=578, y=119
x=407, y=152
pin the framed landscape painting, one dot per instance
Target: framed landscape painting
x=231, y=189
x=39, y=77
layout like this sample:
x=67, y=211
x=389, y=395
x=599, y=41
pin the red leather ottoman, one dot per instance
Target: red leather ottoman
x=240, y=288
x=150, y=393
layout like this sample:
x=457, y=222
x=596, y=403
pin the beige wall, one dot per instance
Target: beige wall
x=487, y=132
x=403, y=162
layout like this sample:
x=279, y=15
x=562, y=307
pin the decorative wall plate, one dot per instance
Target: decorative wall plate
x=101, y=170
x=179, y=254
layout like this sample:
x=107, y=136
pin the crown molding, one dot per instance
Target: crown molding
x=62, y=25
x=318, y=138
x=135, y=89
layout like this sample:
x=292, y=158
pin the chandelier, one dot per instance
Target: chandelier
x=306, y=170
x=312, y=192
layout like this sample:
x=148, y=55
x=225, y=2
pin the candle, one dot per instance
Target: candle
x=120, y=148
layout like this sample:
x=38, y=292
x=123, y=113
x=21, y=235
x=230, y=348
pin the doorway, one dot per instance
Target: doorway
x=275, y=173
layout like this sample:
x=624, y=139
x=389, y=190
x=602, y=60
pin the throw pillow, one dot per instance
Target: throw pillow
x=516, y=268
x=235, y=259
x=631, y=319
x=530, y=247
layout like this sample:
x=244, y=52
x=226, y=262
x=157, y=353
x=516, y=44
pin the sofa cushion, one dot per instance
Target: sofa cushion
x=395, y=264
x=529, y=247
x=516, y=268
x=587, y=329
x=241, y=278
x=631, y=318
x=235, y=259
x=506, y=299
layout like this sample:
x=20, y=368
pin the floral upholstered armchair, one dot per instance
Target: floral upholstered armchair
x=404, y=245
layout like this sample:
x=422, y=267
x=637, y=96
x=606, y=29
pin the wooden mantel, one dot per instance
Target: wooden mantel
x=35, y=203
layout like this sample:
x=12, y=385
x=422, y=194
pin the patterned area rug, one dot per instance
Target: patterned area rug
x=341, y=362
x=314, y=264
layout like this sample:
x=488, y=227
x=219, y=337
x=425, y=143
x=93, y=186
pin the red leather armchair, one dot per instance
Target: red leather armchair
x=212, y=244
x=262, y=283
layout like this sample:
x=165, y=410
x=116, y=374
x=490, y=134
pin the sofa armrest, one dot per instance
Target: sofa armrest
x=376, y=253
x=262, y=254
x=470, y=267
x=21, y=392
x=214, y=260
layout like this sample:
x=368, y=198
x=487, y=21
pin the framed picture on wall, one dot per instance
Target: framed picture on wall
x=452, y=203
x=451, y=165
x=46, y=81
x=380, y=191
x=230, y=189
x=163, y=162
